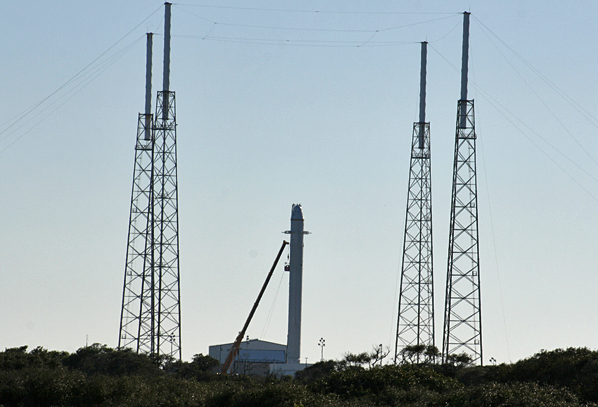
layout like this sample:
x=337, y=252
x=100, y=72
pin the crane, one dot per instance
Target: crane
x=235, y=348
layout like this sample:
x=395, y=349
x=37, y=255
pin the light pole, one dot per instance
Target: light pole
x=321, y=344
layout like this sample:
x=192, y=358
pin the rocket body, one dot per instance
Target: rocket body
x=295, y=283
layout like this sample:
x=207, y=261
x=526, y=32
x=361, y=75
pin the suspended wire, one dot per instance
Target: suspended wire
x=19, y=117
x=319, y=29
x=72, y=92
x=538, y=96
x=274, y=27
x=81, y=80
x=311, y=43
x=271, y=312
x=394, y=317
x=493, y=234
x=445, y=35
x=560, y=92
x=507, y=114
x=298, y=43
x=308, y=11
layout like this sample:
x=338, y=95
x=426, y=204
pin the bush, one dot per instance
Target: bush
x=100, y=359
x=378, y=380
x=574, y=368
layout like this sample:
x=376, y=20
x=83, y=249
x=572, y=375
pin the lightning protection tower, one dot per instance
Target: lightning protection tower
x=415, y=324
x=150, y=317
x=462, y=312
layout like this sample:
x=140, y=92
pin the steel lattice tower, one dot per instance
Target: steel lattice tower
x=136, y=321
x=462, y=314
x=415, y=324
x=150, y=317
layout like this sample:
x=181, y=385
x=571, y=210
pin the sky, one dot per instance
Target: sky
x=280, y=103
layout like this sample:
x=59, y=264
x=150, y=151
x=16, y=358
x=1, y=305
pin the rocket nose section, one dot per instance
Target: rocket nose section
x=297, y=212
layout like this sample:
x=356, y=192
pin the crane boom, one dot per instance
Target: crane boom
x=235, y=348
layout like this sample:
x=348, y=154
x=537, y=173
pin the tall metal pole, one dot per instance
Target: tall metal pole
x=462, y=331
x=415, y=324
x=422, y=92
x=148, y=87
x=166, y=71
x=464, y=69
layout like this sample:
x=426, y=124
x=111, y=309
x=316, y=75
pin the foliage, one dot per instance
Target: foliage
x=425, y=354
x=573, y=368
x=509, y=395
x=200, y=368
x=100, y=359
x=18, y=358
x=351, y=383
x=317, y=371
x=104, y=377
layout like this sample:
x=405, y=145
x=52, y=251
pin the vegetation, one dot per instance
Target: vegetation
x=101, y=376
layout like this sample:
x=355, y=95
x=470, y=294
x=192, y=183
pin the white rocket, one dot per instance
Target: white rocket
x=295, y=281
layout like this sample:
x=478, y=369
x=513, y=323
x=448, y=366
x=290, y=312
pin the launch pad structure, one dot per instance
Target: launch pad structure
x=150, y=316
x=150, y=320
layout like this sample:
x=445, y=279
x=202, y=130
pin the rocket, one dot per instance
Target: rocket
x=295, y=282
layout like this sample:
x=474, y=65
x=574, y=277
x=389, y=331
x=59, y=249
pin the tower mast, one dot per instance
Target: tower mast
x=415, y=325
x=166, y=231
x=136, y=321
x=462, y=331
x=150, y=317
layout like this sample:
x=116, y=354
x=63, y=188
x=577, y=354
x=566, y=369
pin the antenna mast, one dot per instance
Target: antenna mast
x=150, y=319
x=166, y=229
x=137, y=321
x=415, y=325
x=462, y=312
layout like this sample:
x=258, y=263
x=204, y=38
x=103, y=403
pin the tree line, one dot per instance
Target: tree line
x=101, y=376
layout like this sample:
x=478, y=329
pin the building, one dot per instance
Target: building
x=257, y=357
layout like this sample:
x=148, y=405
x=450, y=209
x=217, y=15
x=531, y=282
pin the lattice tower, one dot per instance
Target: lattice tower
x=150, y=318
x=136, y=321
x=166, y=231
x=462, y=313
x=415, y=325
x=416, y=299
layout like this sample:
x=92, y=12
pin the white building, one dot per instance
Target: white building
x=257, y=357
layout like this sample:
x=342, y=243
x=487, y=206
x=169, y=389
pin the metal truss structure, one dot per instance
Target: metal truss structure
x=136, y=321
x=462, y=313
x=166, y=230
x=151, y=312
x=150, y=317
x=415, y=324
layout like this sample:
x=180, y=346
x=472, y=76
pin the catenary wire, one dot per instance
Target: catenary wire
x=565, y=128
x=313, y=43
x=16, y=119
x=74, y=91
x=506, y=113
x=309, y=11
x=560, y=92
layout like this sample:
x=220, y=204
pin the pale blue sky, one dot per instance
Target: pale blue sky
x=268, y=117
